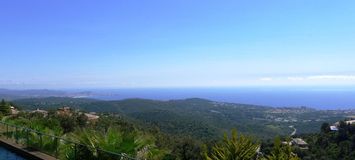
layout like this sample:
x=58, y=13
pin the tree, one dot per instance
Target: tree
x=187, y=149
x=325, y=128
x=281, y=152
x=4, y=107
x=82, y=120
x=132, y=144
x=67, y=122
x=237, y=147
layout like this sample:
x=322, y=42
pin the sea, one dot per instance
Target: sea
x=324, y=98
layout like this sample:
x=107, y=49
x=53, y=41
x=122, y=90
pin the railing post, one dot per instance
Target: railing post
x=27, y=137
x=56, y=146
x=7, y=130
x=16, y=135
x=40, y=141
x=75, y=151
x=98, y=152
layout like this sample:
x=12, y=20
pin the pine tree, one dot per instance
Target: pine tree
x=4, y=107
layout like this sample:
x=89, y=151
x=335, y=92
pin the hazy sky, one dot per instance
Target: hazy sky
x=176, y=43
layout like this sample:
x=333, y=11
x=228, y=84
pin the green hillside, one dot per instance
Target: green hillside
x=200, y=118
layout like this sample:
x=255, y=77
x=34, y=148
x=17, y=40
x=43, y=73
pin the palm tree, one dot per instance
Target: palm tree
x=95, y=144
x=237, y=147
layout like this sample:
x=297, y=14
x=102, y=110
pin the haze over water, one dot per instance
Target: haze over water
x=277, y=97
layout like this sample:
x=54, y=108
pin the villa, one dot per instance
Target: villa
x=45, y=113
x=333, y=128
x=300, y=143
x=13, y=110
x=92, y=117
x=64, y=111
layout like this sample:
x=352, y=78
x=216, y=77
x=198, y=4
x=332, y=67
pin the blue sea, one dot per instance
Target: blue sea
x=319, y=98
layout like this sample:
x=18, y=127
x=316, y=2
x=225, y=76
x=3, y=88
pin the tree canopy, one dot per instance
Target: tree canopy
x=4, y=107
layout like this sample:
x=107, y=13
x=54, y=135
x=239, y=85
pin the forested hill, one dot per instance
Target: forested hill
x=198, y=117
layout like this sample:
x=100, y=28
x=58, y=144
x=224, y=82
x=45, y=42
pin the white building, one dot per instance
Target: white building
x=92, y=117
x=13, y=110
x=45, y=113
x=333, y=128
x=300, y=143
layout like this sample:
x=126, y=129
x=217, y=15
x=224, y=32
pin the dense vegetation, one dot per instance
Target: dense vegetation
x=169, y=130
x=96, y=139
x=198, y=118
x=328, y=144
x=4, y=107
x=114, y=134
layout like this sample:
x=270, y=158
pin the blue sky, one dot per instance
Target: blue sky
x=184, y=43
